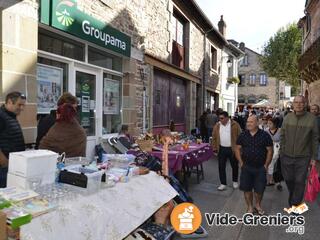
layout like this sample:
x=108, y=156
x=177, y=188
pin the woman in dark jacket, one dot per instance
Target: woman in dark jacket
x=66, y=135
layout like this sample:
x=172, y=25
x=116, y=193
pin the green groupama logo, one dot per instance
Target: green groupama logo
x=85, y=87
x=63, y=15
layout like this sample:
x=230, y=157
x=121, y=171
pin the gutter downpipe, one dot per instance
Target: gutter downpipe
x=204, y=70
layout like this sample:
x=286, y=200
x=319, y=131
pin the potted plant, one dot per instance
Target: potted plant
x=233, y=80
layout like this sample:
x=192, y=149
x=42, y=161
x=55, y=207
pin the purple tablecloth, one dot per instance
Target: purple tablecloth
x=196, y=154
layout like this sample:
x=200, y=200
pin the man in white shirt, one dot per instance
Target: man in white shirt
x=225, y=135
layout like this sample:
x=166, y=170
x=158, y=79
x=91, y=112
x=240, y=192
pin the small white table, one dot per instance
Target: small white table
x=112, y=213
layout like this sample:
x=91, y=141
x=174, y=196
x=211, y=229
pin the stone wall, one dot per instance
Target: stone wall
x=314, y=93
x=314, y=11
x=18, y=52
x=196, y=51
x=311, y=37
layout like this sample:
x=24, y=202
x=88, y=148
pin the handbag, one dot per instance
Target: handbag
x=277, y=173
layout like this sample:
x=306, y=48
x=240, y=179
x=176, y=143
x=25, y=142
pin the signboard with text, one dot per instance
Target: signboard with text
x=67, y=17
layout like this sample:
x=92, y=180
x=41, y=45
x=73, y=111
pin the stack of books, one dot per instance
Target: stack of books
x=16, y=216
x=15, y=194
x=4, y=203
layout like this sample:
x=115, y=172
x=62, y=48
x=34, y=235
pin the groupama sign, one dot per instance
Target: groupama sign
x=65, y=15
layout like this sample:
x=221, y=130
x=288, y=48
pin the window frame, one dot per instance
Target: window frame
x=242, y=78
x=213, y=58
x=263, y=82
x=252, y=79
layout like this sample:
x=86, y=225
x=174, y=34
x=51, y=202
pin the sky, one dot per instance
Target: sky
x=253, y=21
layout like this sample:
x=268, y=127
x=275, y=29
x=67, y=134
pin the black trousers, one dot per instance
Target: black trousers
x=294, y=171
x=226, y=153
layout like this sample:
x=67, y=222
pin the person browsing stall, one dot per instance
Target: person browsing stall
x=11, y=136
x=66, y=135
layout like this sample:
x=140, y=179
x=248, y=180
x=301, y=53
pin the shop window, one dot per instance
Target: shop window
x=60, y=45
x=241, y=99
x=57, y=64
x=252, y=100
x=49, y=91
x=112, y=89
x=103, y=59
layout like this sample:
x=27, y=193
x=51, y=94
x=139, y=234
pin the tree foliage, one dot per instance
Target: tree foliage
x=280, y=55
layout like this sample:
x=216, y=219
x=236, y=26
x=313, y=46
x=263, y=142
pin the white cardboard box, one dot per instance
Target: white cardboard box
x=24, y=183
x=32, y=163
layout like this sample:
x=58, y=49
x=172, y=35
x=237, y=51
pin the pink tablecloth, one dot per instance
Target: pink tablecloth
x=196, y=154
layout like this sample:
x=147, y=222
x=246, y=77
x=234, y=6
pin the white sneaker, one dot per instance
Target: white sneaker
x=222, y=187
x=235, y=185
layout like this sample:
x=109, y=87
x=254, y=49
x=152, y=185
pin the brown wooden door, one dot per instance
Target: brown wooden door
x=160, y=98
x=177, y=101
x=169, y=95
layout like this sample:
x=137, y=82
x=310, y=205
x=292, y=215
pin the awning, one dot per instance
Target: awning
x=262, y=103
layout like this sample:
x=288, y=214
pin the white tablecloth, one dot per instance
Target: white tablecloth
x=111, y=213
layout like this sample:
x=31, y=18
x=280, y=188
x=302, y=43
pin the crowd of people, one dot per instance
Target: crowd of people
x=263, y=143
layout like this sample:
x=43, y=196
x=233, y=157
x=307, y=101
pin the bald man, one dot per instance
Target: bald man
x=298, y=145
x=254, y=152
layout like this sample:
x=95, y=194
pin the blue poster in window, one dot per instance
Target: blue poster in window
x=49, y=87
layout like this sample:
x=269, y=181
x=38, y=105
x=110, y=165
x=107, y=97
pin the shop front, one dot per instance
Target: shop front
x=83, y=56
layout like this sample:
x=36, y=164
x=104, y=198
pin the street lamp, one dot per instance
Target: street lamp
x=229, y=63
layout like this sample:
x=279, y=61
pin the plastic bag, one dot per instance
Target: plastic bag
x=313, y=185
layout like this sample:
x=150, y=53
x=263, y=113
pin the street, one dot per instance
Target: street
x=210, y=200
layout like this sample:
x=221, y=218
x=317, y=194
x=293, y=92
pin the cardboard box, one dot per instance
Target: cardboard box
x=3, y=226
x=24, y=183
x=32, y=163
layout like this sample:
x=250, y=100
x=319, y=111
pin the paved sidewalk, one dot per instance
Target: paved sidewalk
x=209, y=199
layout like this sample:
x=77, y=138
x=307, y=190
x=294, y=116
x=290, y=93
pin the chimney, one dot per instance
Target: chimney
x=222, y=26
x=242, y=46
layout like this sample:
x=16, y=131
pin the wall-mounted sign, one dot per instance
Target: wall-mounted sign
x=49, y=87
x=67, y=17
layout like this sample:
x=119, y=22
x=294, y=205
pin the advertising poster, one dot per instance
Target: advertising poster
x=111, y=99
x=85, y=105
x=49, y=87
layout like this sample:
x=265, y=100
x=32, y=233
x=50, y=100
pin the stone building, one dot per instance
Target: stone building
x=255, y=85
x=140, y=63
x=309, y=62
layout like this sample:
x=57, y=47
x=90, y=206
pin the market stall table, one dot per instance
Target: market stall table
x=193, y=156
x=111, y=213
